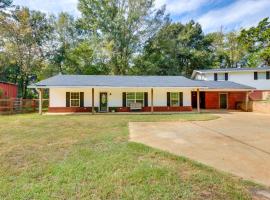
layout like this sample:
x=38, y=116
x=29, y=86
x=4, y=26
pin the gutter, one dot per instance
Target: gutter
x=94, y=86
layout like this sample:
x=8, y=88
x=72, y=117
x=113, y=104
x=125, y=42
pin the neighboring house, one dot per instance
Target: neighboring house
x=8, y=90
x=258, y=78
x=86, y=93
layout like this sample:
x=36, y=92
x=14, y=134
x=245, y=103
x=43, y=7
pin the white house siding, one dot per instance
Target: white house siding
x=245, y=78
x=58, y=95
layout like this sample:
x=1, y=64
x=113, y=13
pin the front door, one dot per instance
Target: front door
x=202, y=100
x=194, y=99
x=103, y=102
x=223, y=101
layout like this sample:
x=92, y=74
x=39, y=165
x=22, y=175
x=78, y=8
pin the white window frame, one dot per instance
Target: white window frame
x=135, y=98
x=174, y=99
x=75, y=99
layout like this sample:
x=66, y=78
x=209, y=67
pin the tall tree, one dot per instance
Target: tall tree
x=228, y=52
x=122, y=27
x=176, y=49
x=234, y=50
x=24, y=35
x=257, y=42
x=64, y=38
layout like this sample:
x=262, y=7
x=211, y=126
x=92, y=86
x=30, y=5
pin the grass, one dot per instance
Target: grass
x=89, y=157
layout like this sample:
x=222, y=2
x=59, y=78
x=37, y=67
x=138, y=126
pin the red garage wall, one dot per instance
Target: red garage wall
x=9, y=90
x=212, y=99
x=234, y=98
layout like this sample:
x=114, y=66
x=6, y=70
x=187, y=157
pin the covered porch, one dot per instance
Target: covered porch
x=108, y=99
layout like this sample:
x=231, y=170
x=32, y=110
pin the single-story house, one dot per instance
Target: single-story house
x=101, y=93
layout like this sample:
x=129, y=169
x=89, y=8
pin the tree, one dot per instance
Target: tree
x=64, y=38
x=176, y=49
x=24, y=36
x=256, y=40
x=234, y=50
x=82, y=60
x=228, y=52
x=122, y=27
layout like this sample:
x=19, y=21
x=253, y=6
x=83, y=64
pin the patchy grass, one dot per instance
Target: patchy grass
x=89, y=157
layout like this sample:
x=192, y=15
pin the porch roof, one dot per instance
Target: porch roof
x=224, y=85
x=132, y=81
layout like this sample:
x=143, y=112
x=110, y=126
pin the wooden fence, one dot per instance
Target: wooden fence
x=14, y=106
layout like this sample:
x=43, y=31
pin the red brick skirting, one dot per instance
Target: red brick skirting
x=69, y=109
x=122, y=109
x=172, y=109
x=158, y=109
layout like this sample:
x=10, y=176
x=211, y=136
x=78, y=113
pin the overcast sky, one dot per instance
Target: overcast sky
x=211, y=14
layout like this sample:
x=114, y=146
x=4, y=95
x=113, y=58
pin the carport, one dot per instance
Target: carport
x=221, y=95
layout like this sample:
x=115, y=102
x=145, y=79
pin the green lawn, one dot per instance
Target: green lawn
x=89, y=157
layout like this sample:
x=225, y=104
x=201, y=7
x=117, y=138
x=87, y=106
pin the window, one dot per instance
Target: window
x=75, y=99
x=135, y=97
x=174, y=99
x=261, y=75
x=221, y=77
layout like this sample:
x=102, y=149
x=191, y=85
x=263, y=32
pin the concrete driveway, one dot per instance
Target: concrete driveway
x=237, y=142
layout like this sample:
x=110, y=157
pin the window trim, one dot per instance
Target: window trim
x=178, y=99
x=135, y=98
x=70, y=100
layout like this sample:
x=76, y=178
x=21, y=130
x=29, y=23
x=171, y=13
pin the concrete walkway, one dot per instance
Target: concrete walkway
x=238, y=142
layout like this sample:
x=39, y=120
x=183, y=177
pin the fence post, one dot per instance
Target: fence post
x=33, y=105
x=21, y=105
x=11, y=106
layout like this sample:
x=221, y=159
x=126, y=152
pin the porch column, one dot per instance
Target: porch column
x=152, y=100
x=198, y=101
x=247, y=100
x=40, y=98
x=93, y=100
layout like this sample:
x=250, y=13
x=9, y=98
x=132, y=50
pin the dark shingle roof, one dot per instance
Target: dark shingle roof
x=133, y=81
